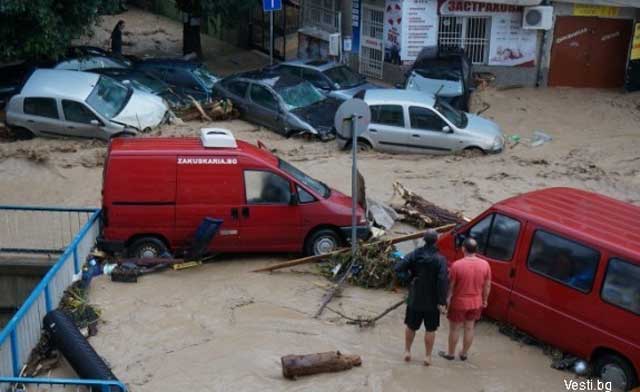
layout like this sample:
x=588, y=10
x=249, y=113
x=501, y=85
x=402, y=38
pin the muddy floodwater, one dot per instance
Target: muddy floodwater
x=220, y=327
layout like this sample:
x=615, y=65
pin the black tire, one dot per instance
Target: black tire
x=322, y=241
x=363, y=146
x=614, y=368
x=146, y=247
x=123, y=134
x=22, y=133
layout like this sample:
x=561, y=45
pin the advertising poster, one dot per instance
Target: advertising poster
x=510, y=44
x=392, y=30
x=419, y=27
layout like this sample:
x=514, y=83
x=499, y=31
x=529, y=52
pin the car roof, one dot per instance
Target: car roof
x=320, y=65
x=179, y=146
x=171, y=62
x=398, y=97
x=602, y=220
x=273, y=79
x=60, y=83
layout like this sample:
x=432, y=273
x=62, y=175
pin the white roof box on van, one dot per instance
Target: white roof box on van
x=218, y=138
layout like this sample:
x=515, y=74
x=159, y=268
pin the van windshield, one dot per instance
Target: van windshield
x=312, y=183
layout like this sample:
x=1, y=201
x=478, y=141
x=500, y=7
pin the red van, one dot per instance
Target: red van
x=156, y=191
x=566, y=270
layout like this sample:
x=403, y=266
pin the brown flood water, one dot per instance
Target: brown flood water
x=220, y=327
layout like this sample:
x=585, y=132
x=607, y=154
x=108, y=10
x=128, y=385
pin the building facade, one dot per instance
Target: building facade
x=587, y=43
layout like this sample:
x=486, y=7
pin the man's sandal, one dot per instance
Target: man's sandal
x=446, y=356
x=463, y=357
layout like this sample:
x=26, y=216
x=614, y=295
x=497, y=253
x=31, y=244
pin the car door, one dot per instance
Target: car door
x=236, y=91
x=429, y=133
x=42, y=115
x=264, y=107
x=387, y=131
x=81, y=121
x=497, y=235
x=270, y=217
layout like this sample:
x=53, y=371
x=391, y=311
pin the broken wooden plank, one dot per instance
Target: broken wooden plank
x=303, y=365
x=312, y=259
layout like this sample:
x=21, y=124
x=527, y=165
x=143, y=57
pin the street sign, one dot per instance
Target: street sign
x=271, y=5
x=352, y=109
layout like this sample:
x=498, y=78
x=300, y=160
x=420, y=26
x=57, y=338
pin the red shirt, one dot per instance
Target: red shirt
x=467, y=276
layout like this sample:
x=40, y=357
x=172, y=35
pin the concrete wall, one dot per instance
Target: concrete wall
x=18, y=277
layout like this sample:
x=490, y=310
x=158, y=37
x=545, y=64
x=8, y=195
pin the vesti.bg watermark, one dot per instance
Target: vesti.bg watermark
x=587, y=385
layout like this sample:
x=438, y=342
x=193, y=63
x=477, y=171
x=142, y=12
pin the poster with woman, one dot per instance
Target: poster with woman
x=392, y=30
x=510, y=44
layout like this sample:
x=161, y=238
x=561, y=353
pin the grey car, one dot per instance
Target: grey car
x=404, y=121
x=336, y=80
x=81, y=104
x=282, y=102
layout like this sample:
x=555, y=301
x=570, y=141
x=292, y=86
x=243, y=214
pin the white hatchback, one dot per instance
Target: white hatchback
x=81, y=104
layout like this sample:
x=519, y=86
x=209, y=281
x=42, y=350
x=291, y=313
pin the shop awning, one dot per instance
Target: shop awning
x=611, y=3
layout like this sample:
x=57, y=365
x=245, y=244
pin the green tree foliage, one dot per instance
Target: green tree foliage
x=32, y=29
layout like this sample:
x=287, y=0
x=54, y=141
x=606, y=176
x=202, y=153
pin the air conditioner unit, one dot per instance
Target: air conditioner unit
x=537, y=18
x=217, y=138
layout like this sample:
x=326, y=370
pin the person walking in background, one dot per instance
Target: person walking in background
x=427, y=293
x=469, y=286
x=116, y=38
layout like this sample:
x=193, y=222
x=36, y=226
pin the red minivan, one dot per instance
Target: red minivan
x=156, y=191
x=566, y=269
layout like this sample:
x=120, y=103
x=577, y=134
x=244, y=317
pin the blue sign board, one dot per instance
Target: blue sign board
x=271, y=5
x=356, y=15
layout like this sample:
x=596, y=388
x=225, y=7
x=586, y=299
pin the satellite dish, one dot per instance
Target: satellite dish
x=351, y=109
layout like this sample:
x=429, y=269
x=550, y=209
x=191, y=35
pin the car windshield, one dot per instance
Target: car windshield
x=458, y=118
x=440, y=73
x=205, y=76
x=312, y=183
x=300, y=95
x=344, y=77
x=109, y=97
x=156, y=86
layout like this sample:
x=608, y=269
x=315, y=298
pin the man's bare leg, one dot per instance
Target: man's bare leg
x=467, y=340
x=429, y=339
x=409, y=335
x=454, y=336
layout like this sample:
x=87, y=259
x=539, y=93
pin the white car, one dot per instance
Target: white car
x=81, y=104
x=405, y=121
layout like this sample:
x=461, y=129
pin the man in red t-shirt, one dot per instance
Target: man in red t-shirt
x=469, y=286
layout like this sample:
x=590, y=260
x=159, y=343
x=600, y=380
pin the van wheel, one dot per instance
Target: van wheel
x=617, y=370
x=322, y=242
x=146, y=247
x=22, y=133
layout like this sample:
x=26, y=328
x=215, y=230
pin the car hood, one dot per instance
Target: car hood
x=343, y=203
x=143, y=110
x=449, y=88
x=319, y=115
x=482, y=127
x=351, y=92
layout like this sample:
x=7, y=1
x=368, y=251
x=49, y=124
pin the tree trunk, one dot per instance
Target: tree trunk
x=303, y=365
x=191, y=35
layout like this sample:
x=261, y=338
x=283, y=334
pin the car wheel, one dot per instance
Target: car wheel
x=146, y=130
x=22, y=133
x=322, y=242
x=617, y=370
x=146, y=247
x=473, y=152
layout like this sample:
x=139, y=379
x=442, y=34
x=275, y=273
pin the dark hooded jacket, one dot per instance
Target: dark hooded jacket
x=429, y=279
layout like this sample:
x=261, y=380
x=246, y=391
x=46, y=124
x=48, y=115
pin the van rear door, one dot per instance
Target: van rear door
x=209, y=186
x=498, y=235
x=270, y=221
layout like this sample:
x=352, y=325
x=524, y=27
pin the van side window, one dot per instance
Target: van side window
x=304, y=196
x=497, y=236
x=563, y=260
x=44, y=107
x=263, y=187
x=622, y=285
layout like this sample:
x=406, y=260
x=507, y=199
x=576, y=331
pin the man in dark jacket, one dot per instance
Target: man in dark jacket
x=427, y=293
x=116, y=38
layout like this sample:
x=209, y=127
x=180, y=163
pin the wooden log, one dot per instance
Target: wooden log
x=312, y=259
x=303, y=365
x=196, y=104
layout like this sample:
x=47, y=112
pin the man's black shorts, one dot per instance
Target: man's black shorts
x=413, y=319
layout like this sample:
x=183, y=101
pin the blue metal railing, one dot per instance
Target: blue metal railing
x=102, y=385
x=23, y=331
